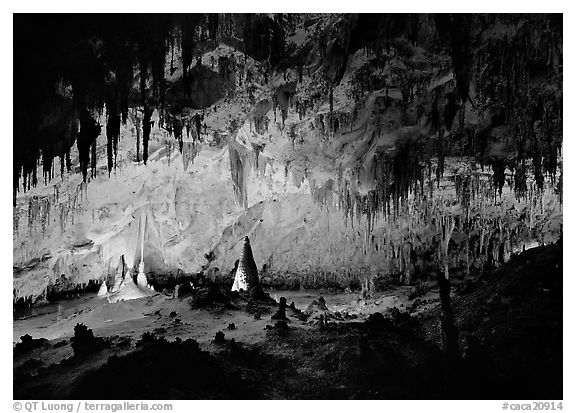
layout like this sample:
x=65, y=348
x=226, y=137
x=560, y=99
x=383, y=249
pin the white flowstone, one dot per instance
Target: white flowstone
x=130, y=291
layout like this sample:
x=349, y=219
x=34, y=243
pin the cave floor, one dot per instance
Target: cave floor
x=509, y=323
x=134, y=317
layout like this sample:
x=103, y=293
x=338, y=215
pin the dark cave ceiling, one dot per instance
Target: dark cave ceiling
x=507, y=67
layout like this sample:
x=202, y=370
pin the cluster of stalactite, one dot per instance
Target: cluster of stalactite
x=28, y=173
x=264, y=38
x=396, y=177
x=39, y=209
x=112, y=135
x=103, y=56
x=106, y=57
x=455, y=31
x=519, y=83
x=334, y=122
x=259, y=118
x=86, y=143
x=467, y=225
x=189, y=152
x=282, y=98
x=303, y=106
x=38, y=214
x=402, y=175
x=436, y=237
x=188, y=146
x=461, y=242
x=98, y=65
x=517, y=79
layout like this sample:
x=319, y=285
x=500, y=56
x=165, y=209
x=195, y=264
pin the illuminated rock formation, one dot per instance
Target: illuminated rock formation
x=246, y=278
x=390, y=157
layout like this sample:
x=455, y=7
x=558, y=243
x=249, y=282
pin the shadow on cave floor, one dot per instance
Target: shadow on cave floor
x=510, y=336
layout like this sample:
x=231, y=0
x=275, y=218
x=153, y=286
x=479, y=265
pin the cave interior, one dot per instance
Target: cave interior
x=287, y=206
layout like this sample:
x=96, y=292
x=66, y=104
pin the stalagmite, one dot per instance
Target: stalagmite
x=246, y=278
x=103, y=291
x=240, y=279
x=129, y=290
x=141, y=280
x=281, y=312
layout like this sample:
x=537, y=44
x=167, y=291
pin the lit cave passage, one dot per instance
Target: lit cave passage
x=220, y=206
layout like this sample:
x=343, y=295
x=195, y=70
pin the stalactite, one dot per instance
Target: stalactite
x=62, y=165
x=520, y=186
x=68, y=161
x=177, y=127
x=441, y=156
x=137, y=124
x=499, y=174
x=89, y=131
x=47, y=159
x=189, y=153
x=188, y=39
x=529, y=100
x=93, y=160
x=197, y=121
x=237, y=170
x=112, y=135
x=146, y=129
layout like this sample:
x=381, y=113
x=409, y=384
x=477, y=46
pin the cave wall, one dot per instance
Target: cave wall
x=357, y=149
x=196, y=222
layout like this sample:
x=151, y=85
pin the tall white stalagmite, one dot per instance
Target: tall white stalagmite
x=246, y=274
x=240, y=283
x=241, y=278
x=103, y=291
x=142, y=280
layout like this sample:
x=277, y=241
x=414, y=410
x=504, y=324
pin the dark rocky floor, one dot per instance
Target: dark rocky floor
x=510, y=335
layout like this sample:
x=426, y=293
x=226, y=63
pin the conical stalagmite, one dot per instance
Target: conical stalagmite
x=103, y=291
x=247, y=274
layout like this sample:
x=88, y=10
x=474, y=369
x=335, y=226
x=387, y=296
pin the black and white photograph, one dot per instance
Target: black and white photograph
x=286, y=206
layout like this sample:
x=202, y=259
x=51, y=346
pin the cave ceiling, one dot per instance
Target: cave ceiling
x=484, y=86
